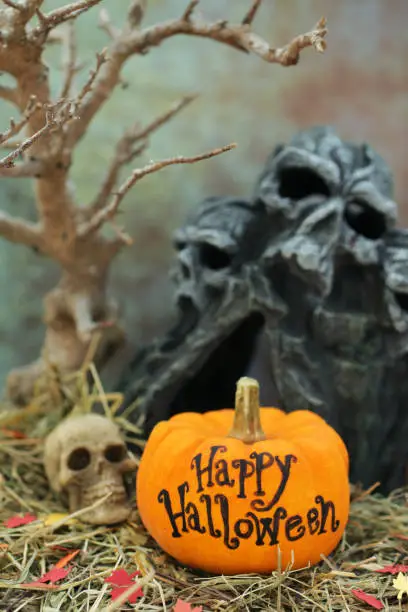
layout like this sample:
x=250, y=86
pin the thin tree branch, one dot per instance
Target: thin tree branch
x=112, y=175
x=30, y=9
x=105, y=24
x=17, y=126
x=20, y=231
x=54, y=18
x=9, y=160
x=87, y=87
x=14, y=5
x=190, y=10
x=55, y=116
x=251, y=14
x=111, y=209
x=130, y=42
x=165, y=117
x=122, y=238
x=125, y=150
x=70, y=55
x=23, y=12
x=28, y=169
x=76, y=104
x=11, y=144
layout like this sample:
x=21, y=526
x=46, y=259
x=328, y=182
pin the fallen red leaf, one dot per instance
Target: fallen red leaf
x=393, y=569
x=54, y=575
x=184, y=606
x=65, y=560
x=132, y=598
x=122, y=580
x=17, y=521
x=13, y=433
x=120, y=577
x=368, y=599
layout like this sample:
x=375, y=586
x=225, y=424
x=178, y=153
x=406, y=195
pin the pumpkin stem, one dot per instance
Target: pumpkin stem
x=247, y=419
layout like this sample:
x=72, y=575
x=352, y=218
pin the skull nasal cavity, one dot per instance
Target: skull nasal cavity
x=365, y=220
x=298, y=183
x=185, y=270
x=115, y=453
x=79, y=459
x=212, y=257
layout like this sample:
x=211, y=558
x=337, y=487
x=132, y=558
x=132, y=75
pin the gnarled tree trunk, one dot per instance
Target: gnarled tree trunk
x=71, y=235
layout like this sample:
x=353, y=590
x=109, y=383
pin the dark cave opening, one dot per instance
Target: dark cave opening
x=213, y=385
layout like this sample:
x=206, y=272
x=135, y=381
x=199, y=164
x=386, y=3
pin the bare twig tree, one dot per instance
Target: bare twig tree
x=71, y=235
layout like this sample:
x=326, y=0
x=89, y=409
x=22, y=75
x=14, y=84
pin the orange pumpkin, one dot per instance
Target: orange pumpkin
x=222, y=493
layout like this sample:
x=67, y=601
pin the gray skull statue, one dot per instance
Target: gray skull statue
x=313, y=271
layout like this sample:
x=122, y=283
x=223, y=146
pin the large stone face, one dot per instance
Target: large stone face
x=314, y=260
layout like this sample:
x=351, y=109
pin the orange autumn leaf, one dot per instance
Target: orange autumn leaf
x=400, y=536
x=65, y=560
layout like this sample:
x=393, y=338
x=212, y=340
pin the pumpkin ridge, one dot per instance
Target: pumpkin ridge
x=156, y=460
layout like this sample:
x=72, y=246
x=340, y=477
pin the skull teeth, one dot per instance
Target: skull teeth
x=93, y=494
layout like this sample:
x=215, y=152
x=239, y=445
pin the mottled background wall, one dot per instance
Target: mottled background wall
x=360, y=85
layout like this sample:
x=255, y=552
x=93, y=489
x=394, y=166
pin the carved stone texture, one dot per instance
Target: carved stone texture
x=314, y=261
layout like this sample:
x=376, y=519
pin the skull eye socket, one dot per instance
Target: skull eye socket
x=299, y=183
x=115, y=453
x=365, y=220
x=213, y=257
x=79, y=459
x=179, y=245
x=402, y=300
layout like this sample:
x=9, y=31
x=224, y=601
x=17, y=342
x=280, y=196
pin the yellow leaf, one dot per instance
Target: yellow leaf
x=56, y=517
x=401, y=584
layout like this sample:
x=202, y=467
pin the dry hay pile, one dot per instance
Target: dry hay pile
x=377, y=535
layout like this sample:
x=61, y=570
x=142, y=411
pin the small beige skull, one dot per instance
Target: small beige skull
x=85, y=457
